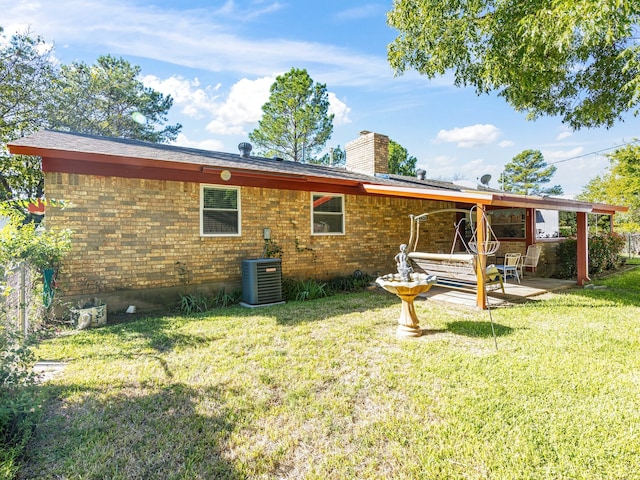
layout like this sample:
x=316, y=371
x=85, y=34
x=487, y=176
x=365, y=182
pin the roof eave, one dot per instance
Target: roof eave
x=496, y=199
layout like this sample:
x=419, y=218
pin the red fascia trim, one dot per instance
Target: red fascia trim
x=197, y=175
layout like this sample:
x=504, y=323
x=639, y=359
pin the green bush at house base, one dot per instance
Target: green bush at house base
x=292, y=291
x=605, y=253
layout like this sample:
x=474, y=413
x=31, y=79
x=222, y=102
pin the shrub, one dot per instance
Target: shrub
x=19, y=408
x=604, y=254
x=194, y=303
x=567, y=253
x=201, y=303
x=33, y=244
x=300, y=290
x=38, y=252
x=224, y=299
x=351, y=283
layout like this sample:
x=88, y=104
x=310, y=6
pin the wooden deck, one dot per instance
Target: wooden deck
x=531, y=288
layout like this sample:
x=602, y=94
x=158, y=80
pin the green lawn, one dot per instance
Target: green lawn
x=324, y=390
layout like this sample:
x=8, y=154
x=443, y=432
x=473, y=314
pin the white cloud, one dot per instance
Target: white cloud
x=552, y=156
x=210, y=144
x=187, y=94
x=339, y=109
x=231, y=10
x=471, y=136
x=196, y=38
x=358, y=13
x=506, y=144
x=573, y=173
x=233, y=113
x=565, y=133
x=230, y=114
x=243, y=106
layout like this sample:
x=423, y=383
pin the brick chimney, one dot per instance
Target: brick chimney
x=368, y=154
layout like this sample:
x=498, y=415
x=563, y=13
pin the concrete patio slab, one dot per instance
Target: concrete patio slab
x=530, y=288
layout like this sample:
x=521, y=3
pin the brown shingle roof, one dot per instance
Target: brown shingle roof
x=119, y=151
x=47, y=142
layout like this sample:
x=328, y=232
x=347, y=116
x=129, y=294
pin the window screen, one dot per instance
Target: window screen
x=220, y=213
x=328, y=213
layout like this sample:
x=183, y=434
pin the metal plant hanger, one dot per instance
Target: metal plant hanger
x=488, y=246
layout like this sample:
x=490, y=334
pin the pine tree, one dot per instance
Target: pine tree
x=295, y=124
x=526, y=173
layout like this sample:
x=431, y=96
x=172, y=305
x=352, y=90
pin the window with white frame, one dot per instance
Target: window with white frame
x=219, y=211
x=327, y=214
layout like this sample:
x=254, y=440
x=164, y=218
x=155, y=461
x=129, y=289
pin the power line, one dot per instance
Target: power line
x=592, y=153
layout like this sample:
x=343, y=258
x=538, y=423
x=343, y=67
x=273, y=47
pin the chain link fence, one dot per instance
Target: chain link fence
x=22, y=305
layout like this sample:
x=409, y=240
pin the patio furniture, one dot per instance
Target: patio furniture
x=454, y=270
x=511, y=266
x=530, y=259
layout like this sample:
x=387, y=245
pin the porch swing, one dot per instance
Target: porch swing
x=456, y=270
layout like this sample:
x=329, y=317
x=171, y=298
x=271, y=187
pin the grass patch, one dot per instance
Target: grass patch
x=324, y=389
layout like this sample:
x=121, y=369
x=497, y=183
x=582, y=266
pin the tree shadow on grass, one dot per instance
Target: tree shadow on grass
x=478, y=329
x=159, y=333
x=173, y=431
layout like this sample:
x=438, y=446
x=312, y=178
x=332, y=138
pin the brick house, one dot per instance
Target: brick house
x=152, y=221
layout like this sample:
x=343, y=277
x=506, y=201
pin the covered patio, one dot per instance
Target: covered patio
x=486, y=200
x=530, y=289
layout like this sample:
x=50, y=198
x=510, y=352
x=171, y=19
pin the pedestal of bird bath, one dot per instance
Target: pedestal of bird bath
x=407, y=290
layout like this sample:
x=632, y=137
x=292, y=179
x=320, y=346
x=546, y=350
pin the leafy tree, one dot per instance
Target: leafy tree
x=526, y=173
x=336, y=157
x=400, y=162
x=26, y=73
x=619, y=186
x=579, y=60
x=108, y=99
x=295, y=124
x=568, y=224
x=104, y=99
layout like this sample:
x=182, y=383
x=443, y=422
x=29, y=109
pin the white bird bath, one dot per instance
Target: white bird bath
x=407, y=290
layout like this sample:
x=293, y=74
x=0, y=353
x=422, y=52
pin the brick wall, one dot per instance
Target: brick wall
x=133, y=234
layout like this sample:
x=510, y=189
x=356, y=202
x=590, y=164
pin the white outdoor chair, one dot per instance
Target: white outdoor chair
x=530, y=259
x=511, y=266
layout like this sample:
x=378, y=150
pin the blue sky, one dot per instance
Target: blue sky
x=218, y=59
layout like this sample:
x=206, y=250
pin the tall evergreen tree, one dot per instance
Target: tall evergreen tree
x=108, y=99
x=104, y=99
x=26, y=74
x=526, y=174
x=295, y=124
x=400, y=162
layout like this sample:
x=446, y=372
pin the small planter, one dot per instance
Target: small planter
x=92, y=313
